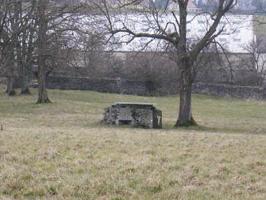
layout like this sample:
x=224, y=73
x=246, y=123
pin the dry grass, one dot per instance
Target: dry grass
x=60, y=151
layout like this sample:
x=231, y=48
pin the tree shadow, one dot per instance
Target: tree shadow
x=228, y=130
x=199, y=128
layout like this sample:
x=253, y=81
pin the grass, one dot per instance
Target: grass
x=61, y=151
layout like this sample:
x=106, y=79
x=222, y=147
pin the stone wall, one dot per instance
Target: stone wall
x=135, y=87
x=245, y=92
x=100, y=85
x=121, y=86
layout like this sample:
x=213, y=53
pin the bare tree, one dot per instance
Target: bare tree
x=16, y=41
x=257, y=63
x=88, y=52
x=35, y=32
x=56, y=26
x=10, y=30
x=177, y=36
x=26, y=44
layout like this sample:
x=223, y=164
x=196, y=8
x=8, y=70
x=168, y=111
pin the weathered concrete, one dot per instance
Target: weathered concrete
x=134, y=114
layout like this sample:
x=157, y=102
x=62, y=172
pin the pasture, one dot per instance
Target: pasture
x=62, y=151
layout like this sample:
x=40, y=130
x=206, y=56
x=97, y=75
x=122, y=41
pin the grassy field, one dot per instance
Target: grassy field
x=61, y=151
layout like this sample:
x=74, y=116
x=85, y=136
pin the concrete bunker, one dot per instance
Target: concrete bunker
x=135, y=114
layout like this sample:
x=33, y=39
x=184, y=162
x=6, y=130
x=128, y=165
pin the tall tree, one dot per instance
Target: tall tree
x=42, y=9
x=16, y=42
x=26, y=45
x=10, y=30
x=34, y=32
x=56, y=26
x=186, y=54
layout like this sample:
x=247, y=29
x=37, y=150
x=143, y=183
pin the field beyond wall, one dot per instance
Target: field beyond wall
x=61, y=151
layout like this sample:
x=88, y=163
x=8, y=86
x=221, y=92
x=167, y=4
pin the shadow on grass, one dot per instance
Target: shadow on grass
x=199, y=128
x=207, y=129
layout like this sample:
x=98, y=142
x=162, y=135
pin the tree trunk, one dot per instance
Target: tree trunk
x=185, y=110
x=28, y=62
x=10, y=86
x=25, y=80
x=25, y=64
x=42, y=48
x=24, y=71
x=42, y=92
x=25, y=91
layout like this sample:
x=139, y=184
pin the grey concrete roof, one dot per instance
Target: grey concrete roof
x=133, y=103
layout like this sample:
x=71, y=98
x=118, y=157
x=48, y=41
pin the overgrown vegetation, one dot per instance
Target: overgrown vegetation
x=61, y=151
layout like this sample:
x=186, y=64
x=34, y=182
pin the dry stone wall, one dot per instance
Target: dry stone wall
x=245, y=92
x=143, y=88
x=121, y=86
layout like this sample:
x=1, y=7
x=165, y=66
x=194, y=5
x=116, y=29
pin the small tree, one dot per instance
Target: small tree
x=256, y=49
x=186, y=54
